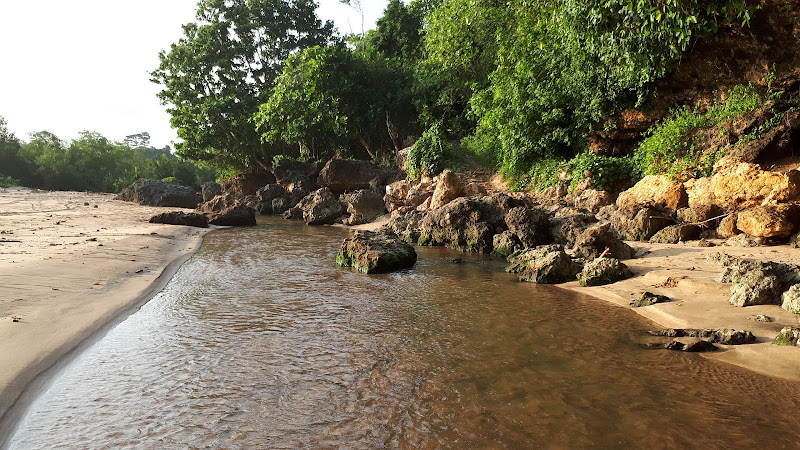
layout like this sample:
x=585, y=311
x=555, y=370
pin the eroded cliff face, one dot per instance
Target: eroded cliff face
x=711, y=67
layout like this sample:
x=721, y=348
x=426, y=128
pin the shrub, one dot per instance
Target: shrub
x=8, y=182
x=607, y=172
x=429, y=154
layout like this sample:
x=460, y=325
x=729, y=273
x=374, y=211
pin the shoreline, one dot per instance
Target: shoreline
x=74, y=265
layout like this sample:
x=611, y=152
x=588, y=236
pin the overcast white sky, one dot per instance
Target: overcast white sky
x=69, y=66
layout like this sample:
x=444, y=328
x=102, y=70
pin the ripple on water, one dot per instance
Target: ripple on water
x=259, y=341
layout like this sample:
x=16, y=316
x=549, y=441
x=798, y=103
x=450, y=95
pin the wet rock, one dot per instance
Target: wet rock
x=364, y=206
x=692, y=347
x=376, y=252
x=407, y=225
x=727, y=226
x=755, y=287
x=639, y=225
x=788, y=336
x=211, y=190
x=791, y=299
x=594, y=241
x=593, y=199
x=237, y=216
x=245, y=184
x=505, y=243
x=648, y=298
x=603, y=271
x=654, y=191
x=448, y=188
x=777, y=221
x=321, y=207
x=566, y=229
x=547, y=264
x=529, y=224
x=676, y=233
x=181, y=218
x=160, y=193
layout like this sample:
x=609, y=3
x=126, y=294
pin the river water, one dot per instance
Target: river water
x=259, y=341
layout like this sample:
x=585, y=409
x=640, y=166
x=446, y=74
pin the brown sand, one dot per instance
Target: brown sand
x=71, y=265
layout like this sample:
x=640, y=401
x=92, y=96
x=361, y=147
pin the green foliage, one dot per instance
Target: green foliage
x=607, y=172
x=671, y=146
x=429, y=154
x=398, y=33
x=481, y=149
x=8, y=182
x=215, y=77
x=554, y=69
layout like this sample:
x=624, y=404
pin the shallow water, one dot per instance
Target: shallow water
x=259, y=341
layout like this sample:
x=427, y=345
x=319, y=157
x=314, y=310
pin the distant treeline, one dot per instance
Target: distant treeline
x=90, y=163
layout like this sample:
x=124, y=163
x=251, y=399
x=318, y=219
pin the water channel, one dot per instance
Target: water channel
x=260, y=341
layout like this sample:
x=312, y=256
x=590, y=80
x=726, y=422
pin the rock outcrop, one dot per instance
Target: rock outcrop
x=603, y=271
x=370, y=252
x=594, y=241
x=160, y=193
x=245, y=184
x=181, y=218
x=237, y=216
x=547, y=264
x=320, y=207
x=211, y=190
x=342, y=175
x=773, y=221
x=639, y=225
x=654, y=191
x=724, y=189
x=363, y=205
x=448, y=188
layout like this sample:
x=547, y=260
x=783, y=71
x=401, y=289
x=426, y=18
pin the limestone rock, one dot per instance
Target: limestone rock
x=639, y=225
x=363, y=205
x=593, y=199
x=594, y=241
x=218, y=204
x=407, y=225
x=755, y=287
x=448, y=188
x=654, y=191
x=237, y=216
x=648, y=298
x=788, y=336
x=791, y=299
x=603, y=271
x=769, y=221
x=267, y=194
x=566, y=229
x=371, y=252
x=676, y=233
x=558, y=190
x=341, y=175
x=724, y=336
x=724, y=189
x=794, y=241
x=698, y=214
x=727, y=226
x=211, y=190
x=692, y=347
x=160, y=193
x=529, y=224
x=321, y=207
x=545, y=265
x=505, y=243
x=246, y=183
x=181, y=218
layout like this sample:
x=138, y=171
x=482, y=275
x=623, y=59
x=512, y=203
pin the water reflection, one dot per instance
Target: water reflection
x=259, y=341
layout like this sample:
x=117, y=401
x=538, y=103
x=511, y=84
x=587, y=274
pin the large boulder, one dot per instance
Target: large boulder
x=654, y=191
x=160, y=193
x=211, y=190
x=755, y=287
x=407, y=225
x=639, y=225
x=267, y=194
x=676, y=233
x=181, y=218
x=603, y=271
x=790, y=300
x=566, y=229
x=321, y=207
x=778, y=221
x=744, y=186
x=596, y=241
x=370, y=252
x=727, y=226
x=245, y=184
x=593, y=199
x=530, y=225
x=218, y=204
x=505, y=243
x=448, y=188
x=546, y=264
x=237, y=216
x=363, y=205
x=341, y=175
x=291, y=171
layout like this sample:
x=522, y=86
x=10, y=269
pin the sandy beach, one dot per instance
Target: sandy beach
x=73, y=264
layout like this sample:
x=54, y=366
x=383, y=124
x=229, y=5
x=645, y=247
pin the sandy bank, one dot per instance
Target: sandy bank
x=682, y=273
x=71, y=264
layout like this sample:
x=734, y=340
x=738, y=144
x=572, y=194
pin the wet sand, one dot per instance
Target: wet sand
x=72, y=264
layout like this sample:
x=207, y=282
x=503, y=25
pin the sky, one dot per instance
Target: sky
x=69, y=66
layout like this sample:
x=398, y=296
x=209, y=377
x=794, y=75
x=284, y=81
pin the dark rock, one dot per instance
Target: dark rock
x=639, y=225
x=269, y=193
x=407, y=225
x=181, y=218
x=219, y=203
x=794, y=241
x=245, y=184
x=693, y=347
x=320, y=207
x=676, y=233
x=788, y=336
x=648, y=298
x=603, y=271
x=547, y=264
x=722, y=336
x=281, y=205
x=363, y=205
x=566, y=229
x=160, y=193
x=211, y=190
x=606, y=213
x=381, y=252
x=291, y=171
x=505, y=243
x=529, y=225
x=341, y=175
x=594, y=241
x=238, y=216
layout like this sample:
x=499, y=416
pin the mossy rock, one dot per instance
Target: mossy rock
x=604, y=271
x=648, y=298
x=370, y=252
x=788, y=336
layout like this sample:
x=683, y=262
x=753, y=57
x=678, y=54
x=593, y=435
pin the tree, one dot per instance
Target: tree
x=398, y=33
x=10, y=163
x=215, y=77
x=138, y=140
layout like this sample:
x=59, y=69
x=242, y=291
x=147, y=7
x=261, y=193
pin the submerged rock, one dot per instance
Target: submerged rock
x=376, y=252
x=724, y=336
x=603, y=271
x=181, y=218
